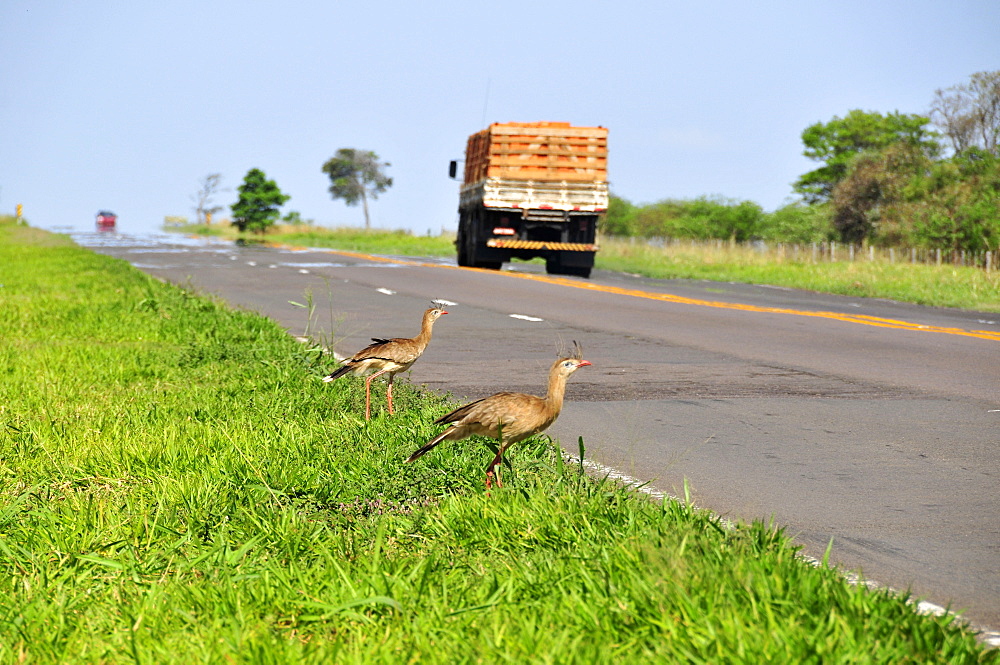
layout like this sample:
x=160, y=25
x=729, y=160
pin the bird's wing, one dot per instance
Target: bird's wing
x=458, y=413
x=516, y=413
x=396, y=350
x=379, y=355
x=510, y=408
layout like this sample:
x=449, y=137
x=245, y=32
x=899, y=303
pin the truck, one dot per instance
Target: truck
x=532, y=189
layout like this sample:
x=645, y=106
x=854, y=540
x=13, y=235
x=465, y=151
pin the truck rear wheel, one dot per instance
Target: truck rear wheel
x=466, y=246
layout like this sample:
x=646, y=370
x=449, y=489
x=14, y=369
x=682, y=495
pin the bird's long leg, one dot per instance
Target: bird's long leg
x=368, y=393
x=368, y=399
x=388, y=393
x=495, y=464
x=490, y=475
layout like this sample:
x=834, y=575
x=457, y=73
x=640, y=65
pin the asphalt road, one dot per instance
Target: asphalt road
x=870, y=423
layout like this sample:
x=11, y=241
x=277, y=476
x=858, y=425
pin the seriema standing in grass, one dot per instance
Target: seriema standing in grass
x=389, y=356
x=508, y=417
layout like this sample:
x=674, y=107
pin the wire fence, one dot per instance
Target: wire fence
x=832, y=251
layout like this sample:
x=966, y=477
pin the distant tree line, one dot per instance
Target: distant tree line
x=355, y=176
x=885, y=180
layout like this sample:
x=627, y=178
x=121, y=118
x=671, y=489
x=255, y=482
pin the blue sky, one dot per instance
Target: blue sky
x=128, y=105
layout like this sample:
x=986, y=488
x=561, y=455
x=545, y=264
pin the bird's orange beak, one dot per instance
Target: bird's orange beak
x=582, y=363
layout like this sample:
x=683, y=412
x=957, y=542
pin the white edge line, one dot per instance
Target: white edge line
x=525, y=317
x=987, y=635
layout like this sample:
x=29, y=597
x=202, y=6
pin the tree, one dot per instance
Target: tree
x=203, y=197
x=969, y=113
x=798, y=223
x=257, y=207
x=619, y=220
x=356, y=175
x=870, y=201
x=706, y=217
x=960, y=203
x=837, y=142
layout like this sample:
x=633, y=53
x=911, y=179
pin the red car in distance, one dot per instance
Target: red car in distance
x=106, y=219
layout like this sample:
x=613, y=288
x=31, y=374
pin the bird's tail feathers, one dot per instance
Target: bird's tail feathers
x=430, y=444
x=339, y=372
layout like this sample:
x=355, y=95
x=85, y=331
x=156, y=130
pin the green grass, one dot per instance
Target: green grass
x=178, y=485
x=939, y=286
x=936, y=286
x=380, y=241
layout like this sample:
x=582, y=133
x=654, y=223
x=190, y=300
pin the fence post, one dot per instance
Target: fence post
x=892, y=255
x=938, y=259
x=989, y=256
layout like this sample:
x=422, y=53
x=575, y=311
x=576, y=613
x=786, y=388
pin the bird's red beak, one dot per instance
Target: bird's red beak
x=582, y=363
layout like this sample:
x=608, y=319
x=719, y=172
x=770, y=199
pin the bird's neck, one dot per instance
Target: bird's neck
x=425, y=331
x=556, y=391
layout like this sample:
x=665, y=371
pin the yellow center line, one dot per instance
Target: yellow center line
x=680, y=300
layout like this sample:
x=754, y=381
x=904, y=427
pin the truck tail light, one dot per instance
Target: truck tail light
x=503, y=231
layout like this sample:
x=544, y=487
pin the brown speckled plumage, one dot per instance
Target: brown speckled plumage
x=508, y=417
x=388, y=356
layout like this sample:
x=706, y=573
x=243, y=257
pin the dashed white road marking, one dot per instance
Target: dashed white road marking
x=303, y=271
x=525, y=317
x=445, y=303
x=251, y=263
x=388, y=292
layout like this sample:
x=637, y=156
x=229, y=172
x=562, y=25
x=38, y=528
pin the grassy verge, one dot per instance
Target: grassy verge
x=178, y=485
x=938, y=286
x=374, y=241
